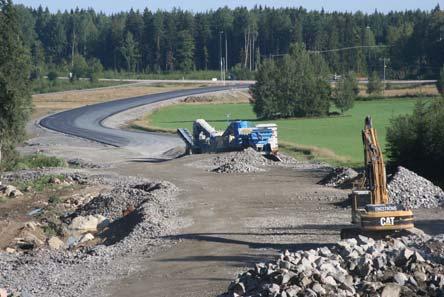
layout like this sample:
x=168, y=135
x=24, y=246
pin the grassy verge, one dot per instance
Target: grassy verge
x=197, y=75
x=41, y=184
x=333, y=139
x=34, y=161
x=44, y=86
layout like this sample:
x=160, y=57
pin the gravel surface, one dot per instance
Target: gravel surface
x=410, y=266
x=413, y=191
x=82, y=271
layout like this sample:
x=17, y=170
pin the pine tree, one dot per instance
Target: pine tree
x=185, y=51
x=15, y=99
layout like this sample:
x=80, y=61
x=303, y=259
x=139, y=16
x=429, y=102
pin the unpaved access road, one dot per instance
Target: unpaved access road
x=237, y=221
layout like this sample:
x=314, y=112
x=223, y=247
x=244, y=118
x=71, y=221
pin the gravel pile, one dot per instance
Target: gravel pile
x=112, y=204
x=84, y=271
x=413, y=191
x=245, y=161
x=248, y=161
x=339, y=177
x=409, y=266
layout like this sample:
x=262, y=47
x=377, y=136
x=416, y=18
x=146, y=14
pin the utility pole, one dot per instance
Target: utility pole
x=220, y=55
x=384, y=60
x=368, y=43
x=226, y=54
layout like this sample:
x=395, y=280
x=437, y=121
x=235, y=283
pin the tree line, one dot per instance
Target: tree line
x=179, y=40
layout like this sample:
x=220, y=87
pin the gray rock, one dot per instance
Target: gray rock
x=317, y=287
x=310, y=293
x=55, y=243
x=391, y=290
x=420, y=277
x=329, y=280
x=293, y=291
x=400, y=278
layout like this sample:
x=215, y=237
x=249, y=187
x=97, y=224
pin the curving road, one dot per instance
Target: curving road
x=87, y=122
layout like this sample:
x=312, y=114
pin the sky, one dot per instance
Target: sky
x=109, y=7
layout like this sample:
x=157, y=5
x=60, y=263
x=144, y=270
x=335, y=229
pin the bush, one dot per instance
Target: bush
x=345, y=92
x=290, y=87
x=52, y=77
x=95, y=70
x=440, y=82
x=374, y=86
x=79, y=68
x=36, y=161
x=240, y=73
x=417, y=141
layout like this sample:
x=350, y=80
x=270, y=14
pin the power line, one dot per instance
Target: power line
x=333, y=50
x=348, y=48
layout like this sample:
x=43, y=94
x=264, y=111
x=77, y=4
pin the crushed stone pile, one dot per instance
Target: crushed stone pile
x=114, y=203
x=413, y=191
x=339, y=177
x=244, y=161
x=139, y=210
x=408, y=266
x=249, y=160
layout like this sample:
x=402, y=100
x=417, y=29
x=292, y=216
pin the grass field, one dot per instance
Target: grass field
x=44, y=86
x=335, y=139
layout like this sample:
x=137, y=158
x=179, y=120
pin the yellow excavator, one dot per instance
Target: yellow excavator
x=372, y=214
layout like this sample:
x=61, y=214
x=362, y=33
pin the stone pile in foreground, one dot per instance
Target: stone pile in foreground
x=414, y=191
x=408, y=266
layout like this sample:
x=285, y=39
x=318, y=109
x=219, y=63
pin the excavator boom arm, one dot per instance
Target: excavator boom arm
x=374, y=163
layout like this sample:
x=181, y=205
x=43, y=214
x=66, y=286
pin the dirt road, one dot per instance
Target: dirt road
x=238, y=220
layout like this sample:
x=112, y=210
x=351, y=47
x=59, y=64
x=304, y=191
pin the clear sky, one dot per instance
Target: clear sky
x=108, y=6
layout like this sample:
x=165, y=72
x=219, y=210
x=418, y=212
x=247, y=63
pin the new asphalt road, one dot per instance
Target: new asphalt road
x=86, y=122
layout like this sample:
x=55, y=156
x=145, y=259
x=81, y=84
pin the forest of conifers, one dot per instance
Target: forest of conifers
x=179, y=40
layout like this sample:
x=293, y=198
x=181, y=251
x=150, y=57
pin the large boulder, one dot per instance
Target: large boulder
x=12, y=191
x=55, y=243
x=88, y=223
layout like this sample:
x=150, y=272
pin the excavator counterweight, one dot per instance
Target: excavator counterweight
x=372, y=214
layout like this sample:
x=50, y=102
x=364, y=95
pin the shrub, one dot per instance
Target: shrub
x=37, y=161
x=416, y=141
x=440, y=82
x=52, y=76
x=241, y=73
x=79, y=68
x=374, y=85
x=95, y=70
x=345, y=92
x=53, y=199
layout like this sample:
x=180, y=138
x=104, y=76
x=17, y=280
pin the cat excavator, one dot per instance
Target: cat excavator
x=372, y=214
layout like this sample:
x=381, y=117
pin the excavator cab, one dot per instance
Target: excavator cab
x=372, y=214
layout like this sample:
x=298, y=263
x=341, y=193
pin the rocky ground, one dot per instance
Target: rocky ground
x=409, y=266
x=92, y=238
x=404, y=186
x=413, y=191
